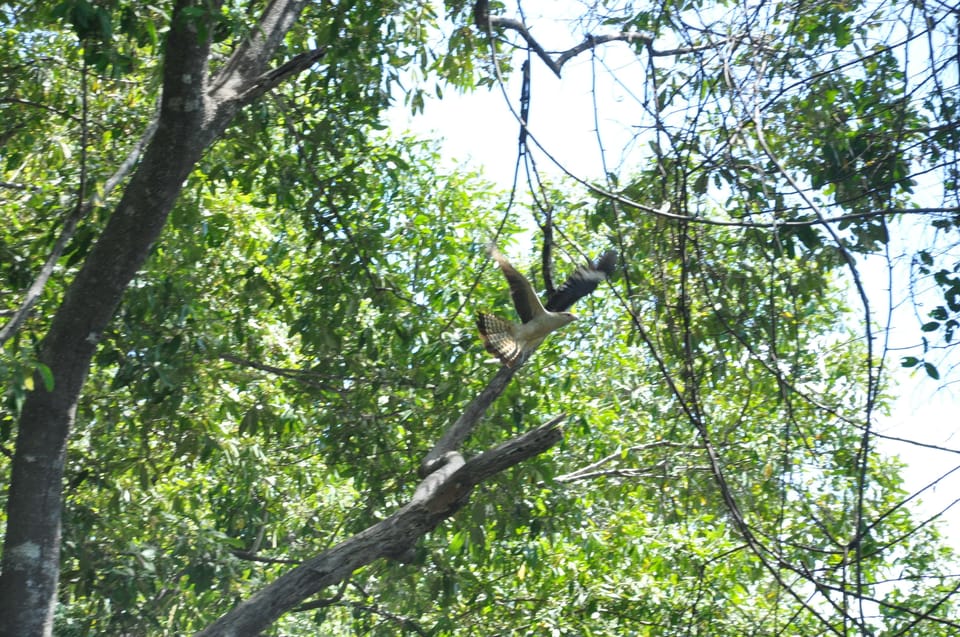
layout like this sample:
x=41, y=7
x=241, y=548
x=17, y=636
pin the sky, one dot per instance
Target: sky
x=924, y=409
x=480, y=131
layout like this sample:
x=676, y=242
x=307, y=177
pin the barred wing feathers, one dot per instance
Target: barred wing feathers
x=498, y=338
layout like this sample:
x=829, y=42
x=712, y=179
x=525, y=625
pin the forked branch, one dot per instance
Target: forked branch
x=486, y=23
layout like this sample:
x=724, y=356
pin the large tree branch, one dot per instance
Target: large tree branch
x=454, y=436
x=431, y=504
x=274, y=77
x=244, y=68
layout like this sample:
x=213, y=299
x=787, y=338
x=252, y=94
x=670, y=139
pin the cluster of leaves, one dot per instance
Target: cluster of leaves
x=945, y=317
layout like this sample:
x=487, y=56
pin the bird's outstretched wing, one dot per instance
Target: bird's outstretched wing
x=582, y=282
x=525, y=299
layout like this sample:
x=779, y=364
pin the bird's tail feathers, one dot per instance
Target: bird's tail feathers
x=498, y=339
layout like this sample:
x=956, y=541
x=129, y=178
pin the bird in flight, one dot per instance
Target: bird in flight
x=509, y=341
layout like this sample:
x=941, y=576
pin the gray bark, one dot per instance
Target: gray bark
x=433, y=501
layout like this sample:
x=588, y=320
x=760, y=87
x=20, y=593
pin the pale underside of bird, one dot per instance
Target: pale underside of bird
x=512, y=342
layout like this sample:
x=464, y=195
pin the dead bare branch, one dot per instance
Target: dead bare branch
x=486, y=23
x=390, y=537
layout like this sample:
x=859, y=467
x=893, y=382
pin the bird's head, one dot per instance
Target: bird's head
x=568, y=317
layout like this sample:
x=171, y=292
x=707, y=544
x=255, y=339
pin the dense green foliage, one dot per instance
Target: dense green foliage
x=303, y=332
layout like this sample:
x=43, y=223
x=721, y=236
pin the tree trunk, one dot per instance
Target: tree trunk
x=191, y=118
x=31, y=554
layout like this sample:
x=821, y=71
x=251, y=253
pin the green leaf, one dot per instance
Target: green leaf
x=46, y=375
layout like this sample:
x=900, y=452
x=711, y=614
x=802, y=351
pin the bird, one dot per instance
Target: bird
x=511, y=342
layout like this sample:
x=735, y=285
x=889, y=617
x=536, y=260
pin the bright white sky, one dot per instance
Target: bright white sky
x=925, y=410
x=479, y=131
